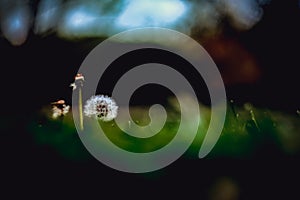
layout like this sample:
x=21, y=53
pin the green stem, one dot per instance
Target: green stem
x=80, y=109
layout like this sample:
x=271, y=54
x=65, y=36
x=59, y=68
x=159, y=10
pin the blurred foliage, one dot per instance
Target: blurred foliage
x=58, y=133
x=248, y=131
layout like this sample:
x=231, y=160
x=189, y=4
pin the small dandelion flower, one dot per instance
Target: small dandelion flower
x=101, y=107
x=56, y=112
x=59, y=108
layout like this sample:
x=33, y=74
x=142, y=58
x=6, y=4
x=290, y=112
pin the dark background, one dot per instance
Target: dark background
x=41, y=70
x=43, y=67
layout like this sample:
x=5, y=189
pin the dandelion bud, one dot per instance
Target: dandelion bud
x=79, y=77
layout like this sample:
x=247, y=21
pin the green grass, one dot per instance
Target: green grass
x=247, y=131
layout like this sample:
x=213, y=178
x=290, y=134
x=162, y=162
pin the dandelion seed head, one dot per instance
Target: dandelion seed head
x=101, y=107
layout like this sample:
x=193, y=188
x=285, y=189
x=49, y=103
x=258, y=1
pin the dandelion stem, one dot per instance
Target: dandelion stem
x=80, y=108
x=79, y=78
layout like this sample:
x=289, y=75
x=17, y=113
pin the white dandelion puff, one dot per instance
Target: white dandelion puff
x=101, y=107
x=59, y=108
